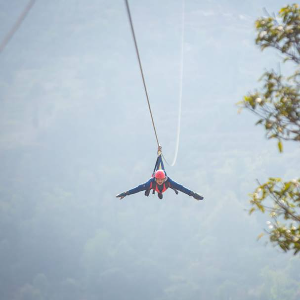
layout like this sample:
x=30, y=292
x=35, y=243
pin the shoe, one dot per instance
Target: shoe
x=160, y=195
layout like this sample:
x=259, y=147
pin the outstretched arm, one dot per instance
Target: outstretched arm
x=141, y=187
x=183, y=189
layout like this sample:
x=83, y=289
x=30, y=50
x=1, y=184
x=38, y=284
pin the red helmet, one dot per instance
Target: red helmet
x=160, y=174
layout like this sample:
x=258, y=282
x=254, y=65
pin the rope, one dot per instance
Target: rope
x=180, y=86
x=140, y=64
x=17, y=25
x=180, y=89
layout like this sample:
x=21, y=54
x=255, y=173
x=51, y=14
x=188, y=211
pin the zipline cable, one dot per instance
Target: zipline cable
x=140, y=64
x=180, y=84
x=16, y=25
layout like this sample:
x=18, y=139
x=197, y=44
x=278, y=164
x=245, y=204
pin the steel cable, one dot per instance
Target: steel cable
x=141, y=68
x=16, y=25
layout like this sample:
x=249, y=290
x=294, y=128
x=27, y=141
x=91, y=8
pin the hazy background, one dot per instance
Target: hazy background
x=75, y=130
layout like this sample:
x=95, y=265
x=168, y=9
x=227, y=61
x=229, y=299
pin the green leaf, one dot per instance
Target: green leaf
x=260, y=236
x=260, y=207
x=280, y=146
x=251, y=210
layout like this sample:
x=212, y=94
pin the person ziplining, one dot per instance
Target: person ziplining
x=159, y=183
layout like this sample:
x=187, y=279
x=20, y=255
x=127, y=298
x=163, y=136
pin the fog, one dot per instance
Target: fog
x=75, y=130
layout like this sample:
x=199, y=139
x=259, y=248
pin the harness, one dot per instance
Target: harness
x=154, y=188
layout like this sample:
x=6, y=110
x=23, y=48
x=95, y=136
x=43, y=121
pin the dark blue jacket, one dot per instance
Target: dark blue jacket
x=169, y=183
x=152, y=185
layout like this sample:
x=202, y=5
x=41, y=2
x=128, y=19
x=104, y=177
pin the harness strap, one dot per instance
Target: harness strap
x=154, y=185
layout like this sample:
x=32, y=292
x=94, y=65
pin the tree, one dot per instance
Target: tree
x=277, y=105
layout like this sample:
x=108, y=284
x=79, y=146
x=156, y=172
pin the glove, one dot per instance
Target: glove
x=122, y=195
x=197, y=196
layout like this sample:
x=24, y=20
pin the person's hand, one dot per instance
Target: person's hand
x=121, y=196
x=159, y=150
x=197, y=196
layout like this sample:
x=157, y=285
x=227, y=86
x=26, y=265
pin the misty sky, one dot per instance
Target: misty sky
x=75, y=128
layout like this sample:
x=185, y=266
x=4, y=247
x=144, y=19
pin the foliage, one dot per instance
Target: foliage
x=277, y=285
x=283, y=37
x=284, y=207
x=277, y=105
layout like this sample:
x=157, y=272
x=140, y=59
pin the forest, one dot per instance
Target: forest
x=75, y=131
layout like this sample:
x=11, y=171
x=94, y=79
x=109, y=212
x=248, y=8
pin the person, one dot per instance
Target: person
x=159, y=183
